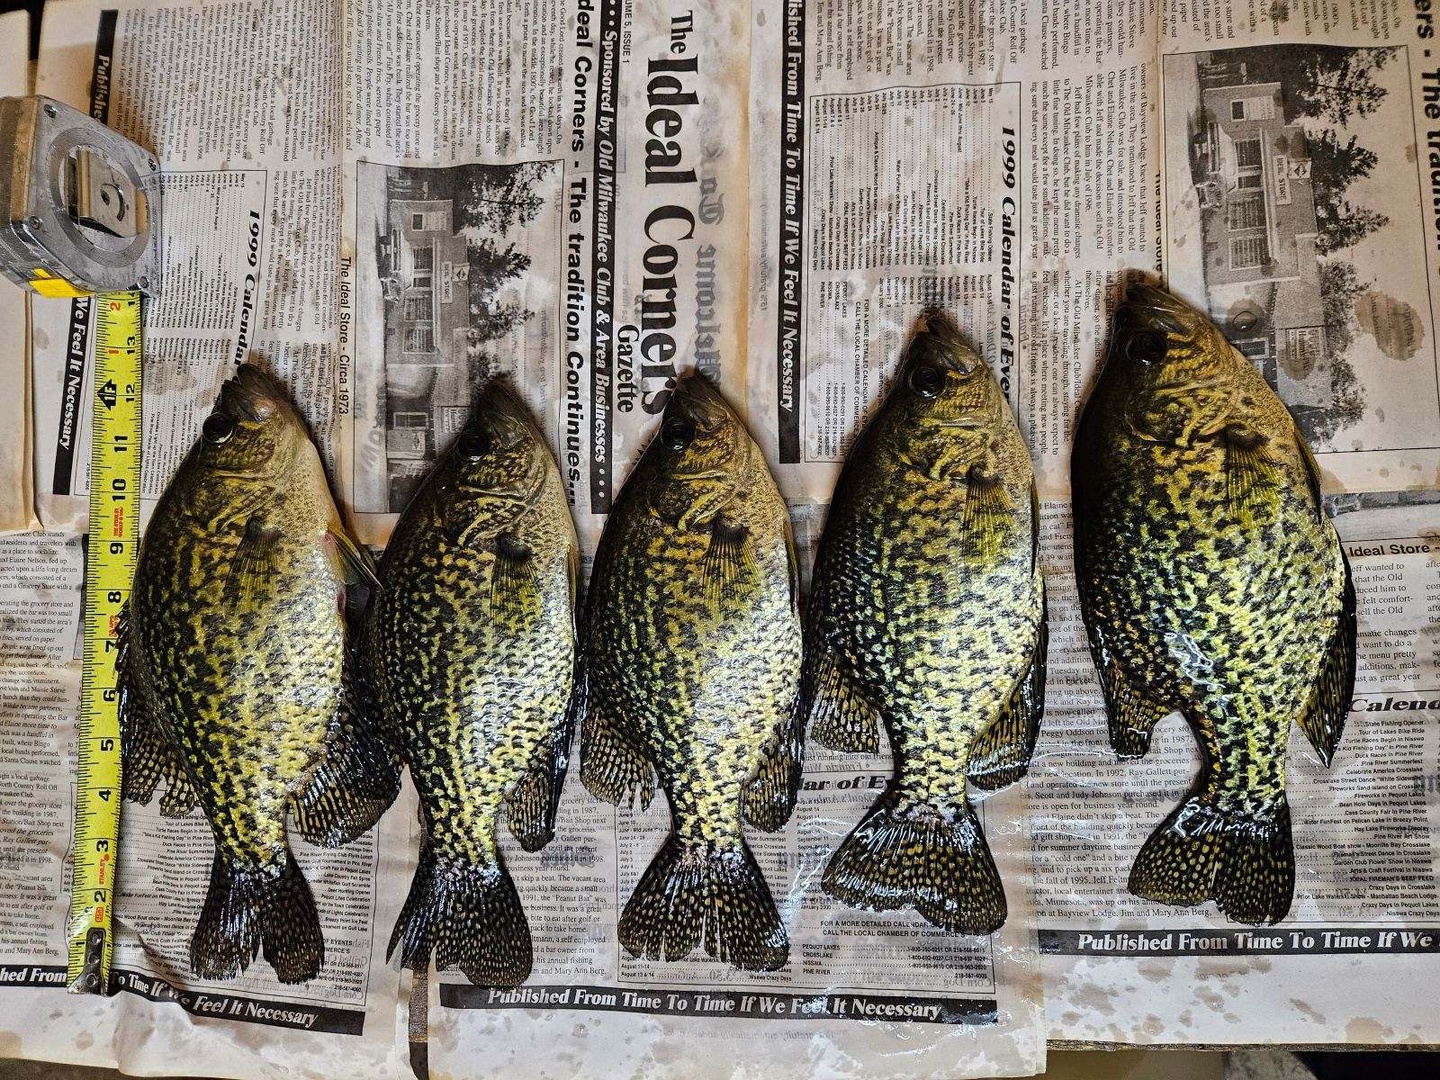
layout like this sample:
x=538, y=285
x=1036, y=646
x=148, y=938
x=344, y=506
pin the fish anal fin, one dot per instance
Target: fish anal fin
x=354, y=783
x=841, y=717
x=535, y=799
x=1323, y=720
x=1132, y=716
x=611, y=766
x=770, y=795
x=1002, y=754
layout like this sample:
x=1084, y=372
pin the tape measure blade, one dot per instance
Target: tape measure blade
x=112, y=548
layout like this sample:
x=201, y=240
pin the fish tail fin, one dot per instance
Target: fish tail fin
x=252, y=910
x=915, y=854
x=468, y=916
x=1246, y=865
x=695, y=893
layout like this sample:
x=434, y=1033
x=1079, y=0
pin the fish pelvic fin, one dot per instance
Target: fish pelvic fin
x=1199, y=853
x=465, y=915
x=698, y=894
x=1323, y=721
x=1001, y=755
x=357, y=779
x=534, y=802
x=840, y=715
x=252, y=910
x=910, y=854
x=769, y=798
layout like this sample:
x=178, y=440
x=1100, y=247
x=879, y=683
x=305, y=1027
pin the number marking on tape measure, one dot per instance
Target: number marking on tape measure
x=114, y=540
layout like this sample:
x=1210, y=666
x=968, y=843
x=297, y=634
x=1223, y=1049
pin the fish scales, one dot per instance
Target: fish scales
x=1211, y=582
x=927, y=612
x=473, y=645
x=692, y=652
x=233, y=682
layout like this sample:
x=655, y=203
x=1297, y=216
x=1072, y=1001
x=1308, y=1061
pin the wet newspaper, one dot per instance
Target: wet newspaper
x=386, y=202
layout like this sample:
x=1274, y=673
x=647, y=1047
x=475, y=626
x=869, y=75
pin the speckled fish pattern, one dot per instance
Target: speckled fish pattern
x=470, y=654
x=691, y=663
x=927, y=614
x=232, y=676
x=1211, y=582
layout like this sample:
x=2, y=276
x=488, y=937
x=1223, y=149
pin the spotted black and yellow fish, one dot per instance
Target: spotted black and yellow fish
x=468, y=660
x=232, y=676
x=1213, y=583
x=927, y=612
x=691, y=664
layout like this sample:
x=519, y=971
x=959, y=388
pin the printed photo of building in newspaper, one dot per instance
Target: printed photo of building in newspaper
x=1274, y=216
x=447, y=260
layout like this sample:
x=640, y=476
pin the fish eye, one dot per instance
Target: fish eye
x=218, y=428
x=474, y=444
x=1145, y=347
x=926, y=380
x=677, y=433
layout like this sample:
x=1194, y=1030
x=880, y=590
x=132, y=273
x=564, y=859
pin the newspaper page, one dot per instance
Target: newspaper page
x=1016, y=165
x=573, y=210
x=251, y=164
x=1296, y=181
x=17, y=493
x=385, y=205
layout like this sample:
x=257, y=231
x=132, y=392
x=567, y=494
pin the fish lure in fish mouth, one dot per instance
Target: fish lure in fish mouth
x=690, y=672
x=927, y=614
x=1211, y=583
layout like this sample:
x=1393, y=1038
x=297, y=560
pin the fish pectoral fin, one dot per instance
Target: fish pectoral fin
x=1248, y=468
x=769, y=797
x=148, y=755
x=727, y=556
x=1323, y=720
x=255, y=561
x=612, y=767
x=514, y=583
x=535, y=799
x=353, y=784
x=1131, y=714
x=1001, y=755
x=351, y=562
x=841, y=717
x=987, y=513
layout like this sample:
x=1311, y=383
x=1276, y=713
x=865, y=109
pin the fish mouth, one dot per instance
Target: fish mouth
x=1149, y=305
x=251, y=394
x=939, y=339
x=701, y=398
x=503, y=411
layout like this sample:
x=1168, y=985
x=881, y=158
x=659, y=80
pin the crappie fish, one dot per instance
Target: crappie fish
x=469, y=655
x=691, y=666
x=1211, y=582
x=927, y=612
x=233, y=689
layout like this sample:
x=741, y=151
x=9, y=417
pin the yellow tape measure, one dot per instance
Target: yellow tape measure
x=114, y=540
